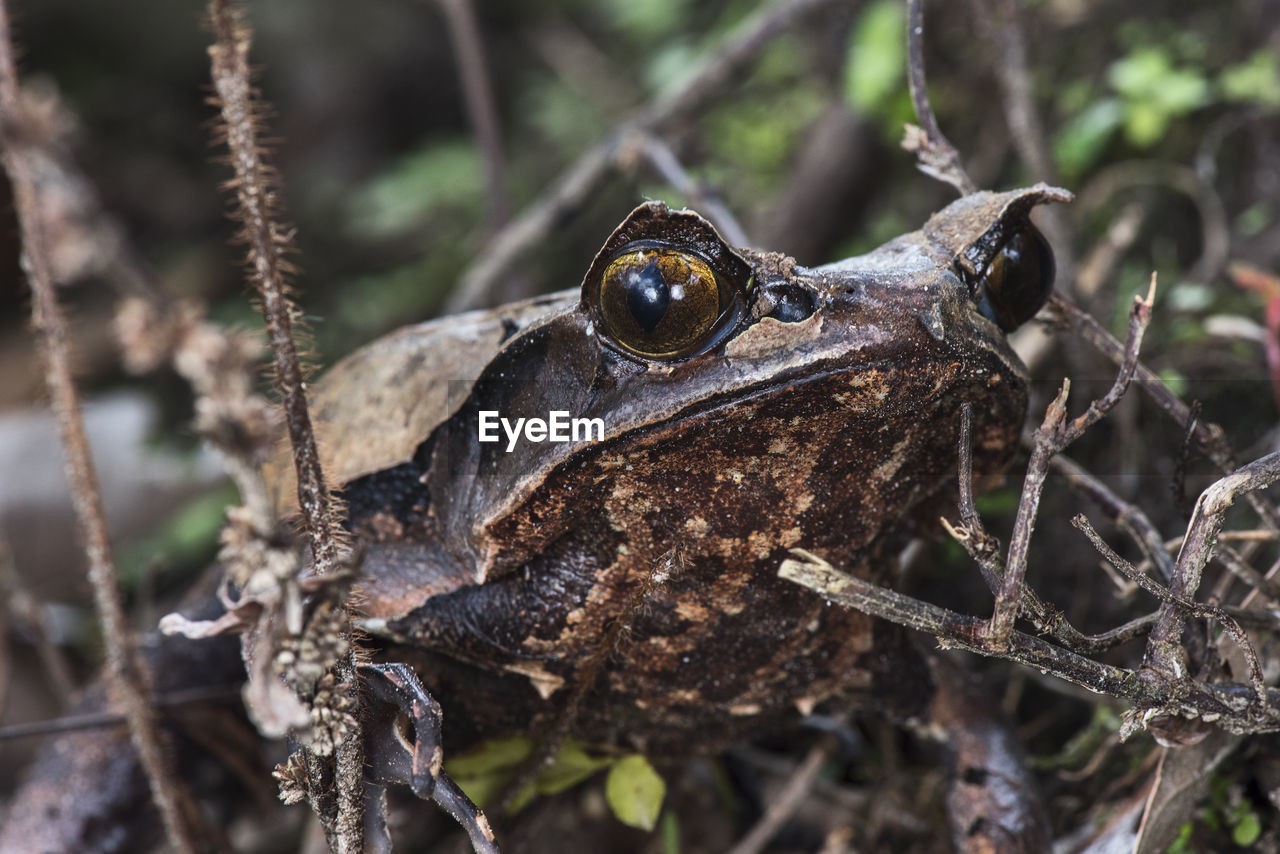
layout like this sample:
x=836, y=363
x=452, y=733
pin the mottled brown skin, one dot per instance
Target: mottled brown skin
x=826, y=434
x=498, y=575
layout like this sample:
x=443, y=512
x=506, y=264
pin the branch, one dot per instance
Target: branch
x=1210, y=437
x=1183, y=606
x=1226, y=703
x=1056, y=433
x=126, y=672
x=938, y=157
x=702, y=197
x=257, y=203
x=1199, y=544
x=477, y=91
x=571, y=189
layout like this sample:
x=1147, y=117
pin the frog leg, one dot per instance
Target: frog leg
x=402, y=746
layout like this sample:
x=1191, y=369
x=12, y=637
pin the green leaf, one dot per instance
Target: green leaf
x=1145, y=123
x=635, y=792
x=1139, y=75
x=643, y=20
x=670, y=833
x=1182, y=844
x=1256, y=80
x=189, y=537
x=482, y=771
x=1080, y=142
x=873, y=71
x=1247, y=829
x=1155, y=91
x=1176, y=382
x=572, y=765
x=496, y=755
x=442, y=176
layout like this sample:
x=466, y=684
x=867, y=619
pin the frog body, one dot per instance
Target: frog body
x=821, y=414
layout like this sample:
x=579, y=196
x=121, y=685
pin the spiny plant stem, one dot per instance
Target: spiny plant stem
x=126, y=672
x=256, y=196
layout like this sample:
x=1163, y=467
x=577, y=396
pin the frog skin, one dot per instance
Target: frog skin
x=822, y=414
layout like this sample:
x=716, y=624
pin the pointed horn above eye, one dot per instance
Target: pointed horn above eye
x=974, y=227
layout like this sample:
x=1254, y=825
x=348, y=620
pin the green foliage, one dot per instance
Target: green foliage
x=560, y=115
x=1150, y=89
x=645, y=20
x=442, y=175
x=633, y=789
x=670, y=830
x=188, y=538
x=1182, y=844
x=1155, y=91
x=1246, y=826
x=752, y=140
x=1083, y=746
x=1081, y=140
x=1176, y=382
x=1255, y=81
x=1255, y=218
x=635, y=792
x=875, y=70
x=483, y=771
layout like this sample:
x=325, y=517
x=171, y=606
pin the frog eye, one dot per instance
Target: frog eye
x=1017, y=281
x=662, y=303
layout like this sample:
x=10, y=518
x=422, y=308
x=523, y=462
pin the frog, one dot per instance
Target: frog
x=745, y=406
x=622, y=586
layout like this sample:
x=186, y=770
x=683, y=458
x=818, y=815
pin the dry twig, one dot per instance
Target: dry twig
x=701, y=196
x=477, y=91
x=784, y=805
x=257, y=207
x=1210, y=438
x=569, y=191
x=937, y=157
x=126, y=672
x=1053, y=436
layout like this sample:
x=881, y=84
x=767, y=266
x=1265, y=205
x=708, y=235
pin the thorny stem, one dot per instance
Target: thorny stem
x=257, y=204
x=937, y=156
x=126, y=672
x=571, y=189
x=267, y=243
x=1056, y=433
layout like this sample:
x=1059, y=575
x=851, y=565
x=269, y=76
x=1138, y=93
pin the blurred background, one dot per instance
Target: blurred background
x=1162, y=116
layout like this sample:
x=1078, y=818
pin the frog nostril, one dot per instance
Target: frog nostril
x=791, y=304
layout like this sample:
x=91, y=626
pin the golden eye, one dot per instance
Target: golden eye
x=1018, y=280
x=662, y=303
